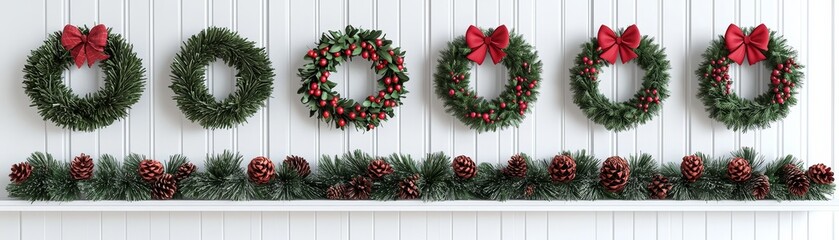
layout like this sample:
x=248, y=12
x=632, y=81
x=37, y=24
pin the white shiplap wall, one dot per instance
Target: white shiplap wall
x=422, y=27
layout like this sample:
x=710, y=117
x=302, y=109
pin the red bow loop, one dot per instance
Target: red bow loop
x=740, y=45
x=614, y=46
x=90, y=47
x=480, y=44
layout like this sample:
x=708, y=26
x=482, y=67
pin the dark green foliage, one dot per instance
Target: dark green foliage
x=56, y=102
x=404, y=167
x=36, y=188
x=288, y=185
x=453, y=63
x=741, y=114
x=620, y=116
x=254, y=78
x=778, y=187
x=223, y=179
x=339, y=42
x=339, y=170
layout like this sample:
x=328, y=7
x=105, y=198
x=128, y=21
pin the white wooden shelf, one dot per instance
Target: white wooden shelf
x=414, y=206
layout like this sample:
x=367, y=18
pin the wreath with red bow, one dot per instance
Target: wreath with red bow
x=756, y=44
x=604, y=50
x=337, y=47
x=44, y=81
x=451, y=80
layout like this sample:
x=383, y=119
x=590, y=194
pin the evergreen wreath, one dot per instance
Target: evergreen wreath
x=602, y=51
x=56, y=102
x=451, y=80
x=725, y=106
x=337, y=47
x=254, y=78
x=742, y=175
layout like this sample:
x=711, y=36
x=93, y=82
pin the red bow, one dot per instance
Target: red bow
x=90, y=47
x=495, y=43
x=614, y=46
x=740, y=45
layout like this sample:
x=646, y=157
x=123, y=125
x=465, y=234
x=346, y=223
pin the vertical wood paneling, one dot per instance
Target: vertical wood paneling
x=463, y=15
x=412, y=114
x=194, y=18
x=156, y=127
x=221, y=79
x=487, y=83
x=331, y=17
x=361, y=14
x=548, y=111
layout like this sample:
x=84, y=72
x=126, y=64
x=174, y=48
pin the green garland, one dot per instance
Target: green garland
x=254, y=78
x=432, y=179
x=318, y=92
x=643, y=106
x=43, y=83
x=741, y=114
x=451, y=83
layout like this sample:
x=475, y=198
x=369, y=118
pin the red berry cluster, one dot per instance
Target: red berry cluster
x=456, y=78
x=590, y=70
x=314, y=87
x=781, y=86
x=719, y=74
x=650, y=96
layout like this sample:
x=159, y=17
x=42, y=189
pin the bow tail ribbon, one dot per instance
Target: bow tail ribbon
x=480, y=44
x=615, y=46
x=741, y=46
x=90, y=47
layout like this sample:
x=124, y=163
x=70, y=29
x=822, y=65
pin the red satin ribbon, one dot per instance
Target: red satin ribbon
x=614, y=46
x=90, y=47
x=480, y=44
x=740, y=45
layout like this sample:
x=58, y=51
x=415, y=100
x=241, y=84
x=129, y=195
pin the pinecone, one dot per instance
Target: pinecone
x=358, y=188
x=335, y=192
x=796, y=180
x=81, y=168
x=261, y=170
x=299, y=164
x=739, y=170
x=563, y=168
x=184, y=171
x=164, y=187
x=614, y=175
x=408, y=188
x=528, y=190
x=20, y=172
x=760, y=187
x=821, y=174
x=464, y=167
x=516, y=167
x=692, y=168
x=378, y=168
x=150, y=170
x=659, y=187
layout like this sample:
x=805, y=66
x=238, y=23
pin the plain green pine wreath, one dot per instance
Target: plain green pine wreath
x=43, y=83
x=336, y=47
x=254, y=78
x=451, y=83
x=620, y=116
x=741, y=114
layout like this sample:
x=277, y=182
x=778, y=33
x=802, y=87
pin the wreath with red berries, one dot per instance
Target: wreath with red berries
x=337, y=47
x=602, y=51
x=760, y=44
x=451, y=80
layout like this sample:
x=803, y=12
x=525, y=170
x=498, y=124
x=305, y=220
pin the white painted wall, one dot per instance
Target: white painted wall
x=557, y=28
